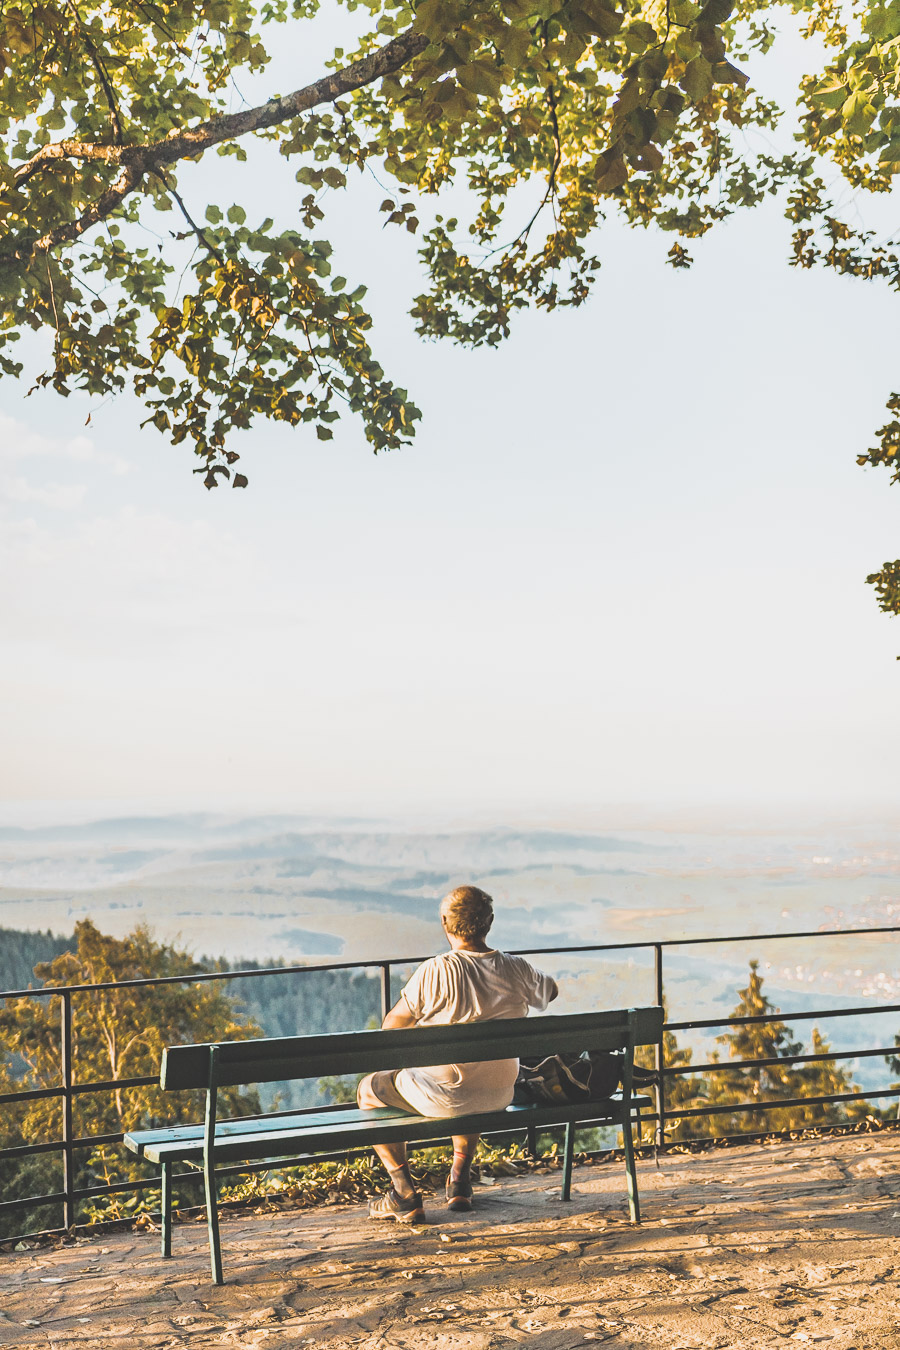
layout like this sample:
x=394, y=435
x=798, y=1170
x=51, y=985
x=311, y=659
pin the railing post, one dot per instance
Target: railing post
x=385, y=989
x=65, y=1032
x=659, y=1053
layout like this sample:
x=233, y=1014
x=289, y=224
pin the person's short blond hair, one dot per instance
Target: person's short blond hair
x=468, y=913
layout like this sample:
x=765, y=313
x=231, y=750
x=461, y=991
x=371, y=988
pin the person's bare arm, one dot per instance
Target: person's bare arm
x=399, y=1016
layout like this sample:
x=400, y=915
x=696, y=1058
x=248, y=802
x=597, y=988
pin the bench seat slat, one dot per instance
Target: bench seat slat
x=292, y=1057
x=360, y=1129
x=139, y=1140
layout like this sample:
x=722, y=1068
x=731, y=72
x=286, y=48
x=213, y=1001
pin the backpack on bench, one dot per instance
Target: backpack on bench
x=569, y=1079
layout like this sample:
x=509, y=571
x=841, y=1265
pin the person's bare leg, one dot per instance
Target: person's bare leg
x=391, y=1156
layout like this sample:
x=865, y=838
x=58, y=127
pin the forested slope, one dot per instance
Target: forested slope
x=21, y=951
x=300, y=1004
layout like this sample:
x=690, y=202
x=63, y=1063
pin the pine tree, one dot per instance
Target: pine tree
x=823, y=1078
x=764, y=1083
x=755, y=1041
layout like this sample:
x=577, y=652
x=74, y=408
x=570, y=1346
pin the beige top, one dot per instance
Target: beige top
x=461, y=986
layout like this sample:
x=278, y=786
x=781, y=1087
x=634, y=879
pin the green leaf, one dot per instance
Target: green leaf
x=479, y=77
x=830, y=93
x=697, y=79
x=857, y=113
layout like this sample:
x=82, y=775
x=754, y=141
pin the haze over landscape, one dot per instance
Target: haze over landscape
x=286, y=889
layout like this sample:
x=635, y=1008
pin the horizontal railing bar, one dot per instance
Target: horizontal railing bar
x=140, y=1184
x=30, y=1201
x=115, y=1187
x=732, y=1021
x=692, y=941
x=116, y=1084
x=32, y=1095
x=20, y=1150
x=234, y=1169
x=718, y=1065
x=92, y=1140
x=40, y=1233
x=200, y=977
x=203, y=976
x=88, y=1141
x=780, y=1103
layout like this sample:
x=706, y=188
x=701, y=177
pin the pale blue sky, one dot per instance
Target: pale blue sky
x=623, y=562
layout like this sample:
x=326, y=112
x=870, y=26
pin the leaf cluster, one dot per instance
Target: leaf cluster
x=550, y=114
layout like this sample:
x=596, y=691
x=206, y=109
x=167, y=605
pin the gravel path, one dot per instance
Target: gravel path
x=757, y=1246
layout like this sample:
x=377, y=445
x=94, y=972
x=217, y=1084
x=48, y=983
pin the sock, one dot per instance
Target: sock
x=402, y=1181
x=461, y=1165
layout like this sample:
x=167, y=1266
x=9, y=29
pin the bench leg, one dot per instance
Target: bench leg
x=212, y=1223
x=568, y=1159
x=634, y=1205
x=166, y=1205
x=531, y=1139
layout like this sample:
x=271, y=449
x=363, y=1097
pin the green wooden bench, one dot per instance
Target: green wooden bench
x=287, y=1138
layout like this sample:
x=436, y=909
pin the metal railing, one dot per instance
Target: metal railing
x=68, y=1089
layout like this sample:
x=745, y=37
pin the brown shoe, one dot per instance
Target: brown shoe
x=459, y=1195
x=403, y=1208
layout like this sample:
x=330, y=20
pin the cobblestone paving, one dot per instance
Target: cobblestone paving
x=760, y=1246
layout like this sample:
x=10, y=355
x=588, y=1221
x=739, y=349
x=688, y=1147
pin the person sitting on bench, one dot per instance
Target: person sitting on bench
x=471, y=983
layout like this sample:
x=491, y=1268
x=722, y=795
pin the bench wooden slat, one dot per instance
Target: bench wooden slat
x=139, y=1140
x=365, y=1128
x=277, y=1060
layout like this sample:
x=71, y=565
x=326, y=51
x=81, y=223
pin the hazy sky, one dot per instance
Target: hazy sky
x=623, y=562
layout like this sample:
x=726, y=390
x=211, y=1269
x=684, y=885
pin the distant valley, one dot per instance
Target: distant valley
x=296, y=890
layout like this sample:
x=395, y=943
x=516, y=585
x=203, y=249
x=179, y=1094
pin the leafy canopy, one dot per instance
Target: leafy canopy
x=643, y=108
x=118, y=1036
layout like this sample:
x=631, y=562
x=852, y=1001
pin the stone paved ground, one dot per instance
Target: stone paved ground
x=772, y=1245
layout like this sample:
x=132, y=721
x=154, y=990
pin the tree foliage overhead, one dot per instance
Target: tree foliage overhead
x=551, y=114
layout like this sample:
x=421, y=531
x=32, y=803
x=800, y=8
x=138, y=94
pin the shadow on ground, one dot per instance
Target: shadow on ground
x=758, y=1246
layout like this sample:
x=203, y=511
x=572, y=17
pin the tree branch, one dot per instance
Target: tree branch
x=102, y=74
x=195, y=228
x=138, y=160
x=85, y=150
x=113, y=197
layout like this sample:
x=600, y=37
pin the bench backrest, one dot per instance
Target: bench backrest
x=346, y=1052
